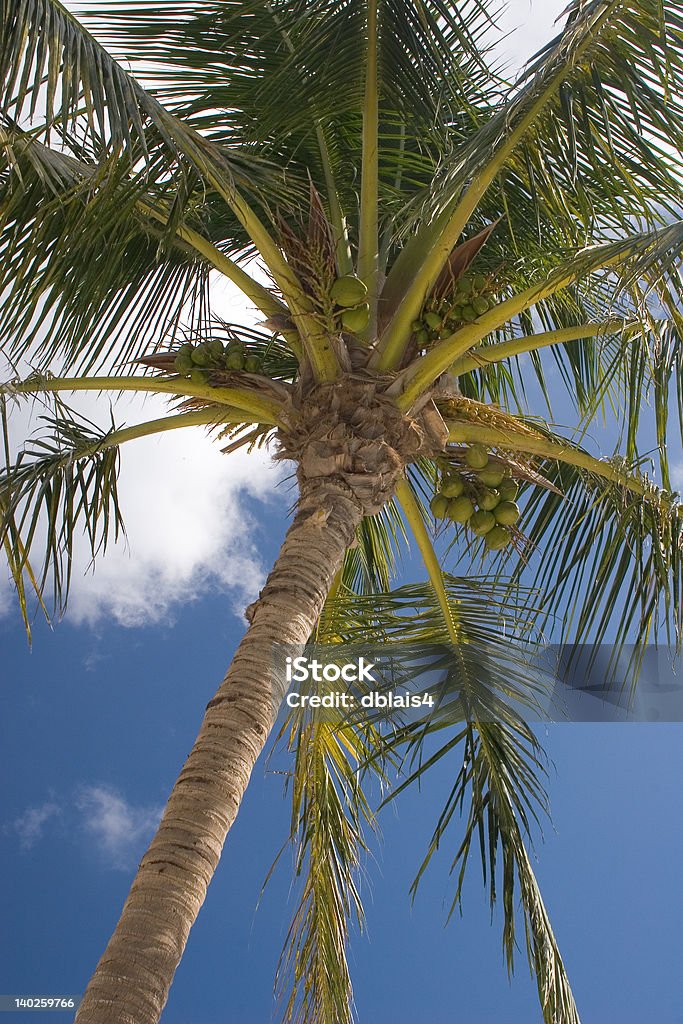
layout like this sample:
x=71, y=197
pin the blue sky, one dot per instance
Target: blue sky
x=96, y=721
x=94, y=728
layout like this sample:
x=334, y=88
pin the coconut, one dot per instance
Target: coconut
x=439, y=506
x=433, y=320
x=491, y=477
x=183, y=363
x=215, y=348
x=469, y=313
x=253, y=364
x=480, y=305
x=453, y=487
x=497, y=538
x=201, y=356
x=479, y=282
x=356, y=319
x=422, y=337
x=508, y=489
x=199, y=376
x=477, y=457
x=234, y=360
x=460, y=509
x=481, y=522
x=185, y=349
x=507, y=513
x=348, y=291
x=489, y=499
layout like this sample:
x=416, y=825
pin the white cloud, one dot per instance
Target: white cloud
x=187, y=529
x=183, y=505
x=529, y=24
x=119, y=829
x=30, y=825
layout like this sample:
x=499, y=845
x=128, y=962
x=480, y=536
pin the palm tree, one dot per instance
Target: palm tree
x=415, y=233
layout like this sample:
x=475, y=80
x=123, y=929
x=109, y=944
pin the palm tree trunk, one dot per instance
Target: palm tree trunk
x=131, y=982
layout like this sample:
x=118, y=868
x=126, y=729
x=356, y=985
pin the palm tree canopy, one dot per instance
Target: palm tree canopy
x=287, y=145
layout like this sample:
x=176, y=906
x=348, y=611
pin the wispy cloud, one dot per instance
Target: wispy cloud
x=120, y=830
x=115, y=830
x=188, y=530
x=30, y=825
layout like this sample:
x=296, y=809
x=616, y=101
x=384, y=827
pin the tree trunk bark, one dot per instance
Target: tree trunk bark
x=131, y=982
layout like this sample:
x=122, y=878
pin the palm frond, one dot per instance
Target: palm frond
x=59, y=488
x=330, y=815
x=585, y=143
x=487, y=686
x=612, y=560
x=84, y=275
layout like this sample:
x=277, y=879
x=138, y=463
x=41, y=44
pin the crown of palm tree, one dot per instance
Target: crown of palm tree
x=414, y=231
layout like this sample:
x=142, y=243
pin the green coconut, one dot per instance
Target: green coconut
x=234, y=360
x=477, y=457
x=183, y=363
x=489, y=499
x=253, y=364
x=481, y=522
x=416, y=325
x=439, y=506
x=508, y=489
x=469, y=313
x=348, y=291
x=507, y=513
x=201, y=356
x=215, y=348
x=453, y=487
x=497, y=538
x=432, y=319
x=185, y=349
x=480, y=305
x=491, y=477
x=479, y=282
x=356, y=319
x=460, y=509
x=422, y=337
x=199, y=375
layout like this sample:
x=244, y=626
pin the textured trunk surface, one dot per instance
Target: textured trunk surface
x=133, y=977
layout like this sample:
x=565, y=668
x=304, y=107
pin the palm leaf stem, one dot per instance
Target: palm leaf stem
x=422, y=372
x=411, y=511
x=263, y=299
x=264, y=410
x=536, y=444
x=195, y=418
x=531, y=343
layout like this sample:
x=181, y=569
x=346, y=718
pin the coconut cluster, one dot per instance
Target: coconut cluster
x=198, y=362
x=470, y=299
x=483, y=499
x=349, y=294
